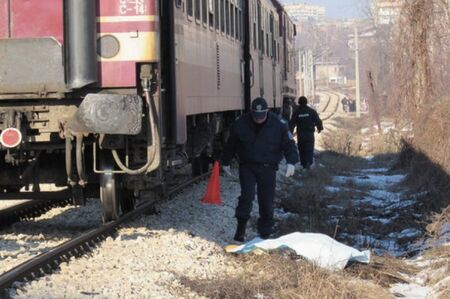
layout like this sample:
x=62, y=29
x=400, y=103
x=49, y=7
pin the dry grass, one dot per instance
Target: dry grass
x=283, y=276
x=389, y=143
x=437, y=227
x=384, y=271
x=343, y=142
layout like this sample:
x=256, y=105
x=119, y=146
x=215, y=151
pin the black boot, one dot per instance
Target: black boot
x=240, y=231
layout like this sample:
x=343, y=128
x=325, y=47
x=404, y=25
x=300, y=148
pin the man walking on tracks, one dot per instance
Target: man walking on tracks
x=306, y=120
x=259, y=140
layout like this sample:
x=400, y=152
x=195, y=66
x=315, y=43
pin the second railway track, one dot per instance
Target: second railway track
x=331, y=107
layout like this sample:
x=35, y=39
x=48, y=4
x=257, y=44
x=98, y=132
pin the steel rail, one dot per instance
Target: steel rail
x=336, y=107
x=328, y=102
x=31, y=209
x=45, y=263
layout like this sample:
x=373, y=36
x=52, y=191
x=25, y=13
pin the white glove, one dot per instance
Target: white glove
x=227, y=170
x=290, y=170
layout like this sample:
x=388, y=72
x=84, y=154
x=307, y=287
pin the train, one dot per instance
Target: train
x=111, y=95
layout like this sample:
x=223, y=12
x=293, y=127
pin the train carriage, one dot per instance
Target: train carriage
x=115, y=93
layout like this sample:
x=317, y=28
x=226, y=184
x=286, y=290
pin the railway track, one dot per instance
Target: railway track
x=335, y=107
x=49, y=261
x=33, y=208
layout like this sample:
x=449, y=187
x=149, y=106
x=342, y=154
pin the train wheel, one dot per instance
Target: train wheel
x=200, y=164
x=109, y=196
x=127, y=200
x=78, y=198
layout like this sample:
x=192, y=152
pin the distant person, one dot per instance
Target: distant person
x=352, y=106
x=345, y=104
x=306, y=120
x=259, y=140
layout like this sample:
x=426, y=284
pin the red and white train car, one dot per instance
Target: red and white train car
x=117, y=92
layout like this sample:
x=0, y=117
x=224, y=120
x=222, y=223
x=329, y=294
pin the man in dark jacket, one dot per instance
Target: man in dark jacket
x=259, y=140
x=306, y=120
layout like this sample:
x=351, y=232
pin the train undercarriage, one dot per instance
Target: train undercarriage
x=114, y=167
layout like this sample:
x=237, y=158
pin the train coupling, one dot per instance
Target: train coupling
x=107, y=114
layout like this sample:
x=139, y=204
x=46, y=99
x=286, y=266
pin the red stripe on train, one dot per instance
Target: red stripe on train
x=142, y=26
x=117, y=73
x=37, y=18
x=4, y=30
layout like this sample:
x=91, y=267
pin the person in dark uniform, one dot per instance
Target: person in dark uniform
x=259, y=139
x=306, y=120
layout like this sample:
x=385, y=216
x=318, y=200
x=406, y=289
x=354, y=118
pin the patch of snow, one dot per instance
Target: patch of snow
x=381, y=181
x=402, y=204
x=365, y=130
x=406, y=233
x=411, y=291
x=381, y=220
x=373, y=202
x=375, y=170
x=334, y=207
x=389, y=197
x=280, y=214
x=379, y=246
x=332, y=189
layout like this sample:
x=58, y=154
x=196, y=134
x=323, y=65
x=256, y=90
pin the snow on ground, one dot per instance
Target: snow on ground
x=375, y=180
x=411, y=291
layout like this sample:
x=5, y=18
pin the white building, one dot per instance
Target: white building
x=386, y=11
x=302, y=11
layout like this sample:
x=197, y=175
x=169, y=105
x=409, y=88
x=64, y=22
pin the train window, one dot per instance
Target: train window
x=236, y=15
x=259, y=29
x=278, y=47
x=205, y=12
x=232, y=20
x=222, y=15
x=216, y=12
x=272, y=35
x=255, y=46
x=227, y=15
x=190, y=9
x=211, y=13
x=240, y=26
x=197, y=10
x=274, y=50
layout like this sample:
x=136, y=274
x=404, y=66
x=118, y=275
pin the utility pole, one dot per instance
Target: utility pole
x=311, y=69
x=304, y=73
x=358, y=95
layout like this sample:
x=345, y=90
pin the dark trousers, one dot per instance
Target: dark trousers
x=263, y=178
x=306, y=150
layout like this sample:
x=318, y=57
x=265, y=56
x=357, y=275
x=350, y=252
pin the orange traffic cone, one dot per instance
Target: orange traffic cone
x=212, y=195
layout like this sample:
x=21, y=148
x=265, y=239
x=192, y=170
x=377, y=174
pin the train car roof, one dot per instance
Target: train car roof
x=280, y=7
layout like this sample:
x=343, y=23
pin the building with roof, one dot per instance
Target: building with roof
x=303, y=12
x=386, y=12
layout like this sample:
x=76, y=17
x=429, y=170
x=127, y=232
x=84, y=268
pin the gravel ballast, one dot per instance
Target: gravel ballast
x=148, y=257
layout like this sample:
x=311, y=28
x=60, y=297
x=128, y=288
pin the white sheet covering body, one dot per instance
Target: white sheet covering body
x=317, y=248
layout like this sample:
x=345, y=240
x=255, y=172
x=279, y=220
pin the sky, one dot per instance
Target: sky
x=335, y=8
